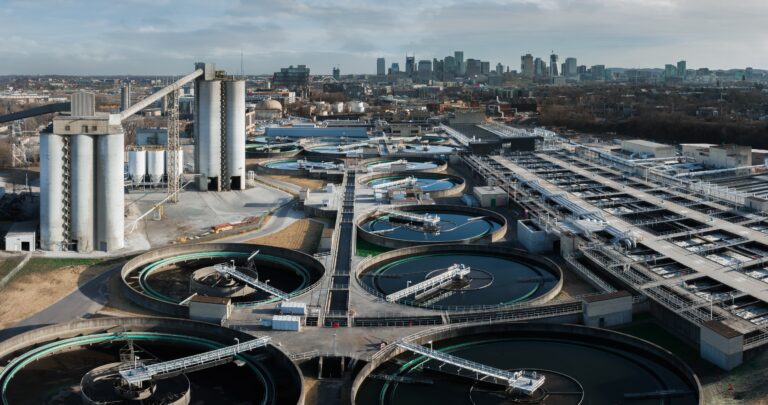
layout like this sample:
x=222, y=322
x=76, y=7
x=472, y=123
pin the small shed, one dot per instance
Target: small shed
x=21, y=237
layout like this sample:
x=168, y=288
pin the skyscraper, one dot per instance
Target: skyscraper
x=473, y=67
x=461, y=67
x=499, y=69
x=395, y=69
x=598, y=72
x=526, y=65
x=539, y=68
x=336, y=73
x=681, y=66
x=381, y=69
x=571, y=67
x=449, y=65
x=485, y=67
x=670, y=71
x=410, y=65
x=553, y=65
x=425, y=69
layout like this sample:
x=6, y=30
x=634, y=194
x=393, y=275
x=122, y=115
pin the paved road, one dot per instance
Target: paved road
x=87, y=299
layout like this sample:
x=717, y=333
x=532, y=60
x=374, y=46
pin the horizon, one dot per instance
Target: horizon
x=164, y=37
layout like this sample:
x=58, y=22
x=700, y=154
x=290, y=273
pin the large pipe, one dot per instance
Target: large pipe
x=81, y=186
x=235, y=119
x=110, y=202
x=51, y=192
x=208, y=142
x=160, y=94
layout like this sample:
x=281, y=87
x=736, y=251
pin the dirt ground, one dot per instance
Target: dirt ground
x=311, y=184
x=303, y=235
x=30, y=293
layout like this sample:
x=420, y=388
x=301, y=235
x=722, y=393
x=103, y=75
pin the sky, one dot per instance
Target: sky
x=165, y=37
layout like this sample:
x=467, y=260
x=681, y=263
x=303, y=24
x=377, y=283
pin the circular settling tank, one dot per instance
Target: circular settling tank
x=580, y=365
x=427, y=224
x=261, y=150
x=427, y=182
x=426, y=149
x=385, y=165
x=338, y=149
x=296, y=165
x=164, y=279
x=80, y=363
x=493, y=277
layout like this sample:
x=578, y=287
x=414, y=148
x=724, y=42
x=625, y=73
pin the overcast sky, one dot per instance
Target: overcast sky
x=165, y=37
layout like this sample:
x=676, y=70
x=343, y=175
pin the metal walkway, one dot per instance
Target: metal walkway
x=230, y=270
x=408, y=181
x=428, y=220
x=147, y=372
x=453, y=272
x=523, y=381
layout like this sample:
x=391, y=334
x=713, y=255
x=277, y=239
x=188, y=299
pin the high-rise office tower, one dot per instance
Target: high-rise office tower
x=571, y=67
x=539, y=68
x=381, y=69
x=485, y=67
x=410, y=65
x=681, y=66
x=670, y=71
x=598, y=72
x=336, y=73
x=473, y=67
x=425, y=69
x=461, y=66
x=499, y=69
x=553, y=65
x=395, y=69
x=449, y=66
x=526, y=65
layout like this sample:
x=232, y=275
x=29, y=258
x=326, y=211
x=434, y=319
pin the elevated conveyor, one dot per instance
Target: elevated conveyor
x=406, y=182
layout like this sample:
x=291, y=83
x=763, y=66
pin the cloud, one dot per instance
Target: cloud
x=167, y=36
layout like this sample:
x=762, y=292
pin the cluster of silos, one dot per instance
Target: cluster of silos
x=148, y=164
x=220, y=132
x=81, y=187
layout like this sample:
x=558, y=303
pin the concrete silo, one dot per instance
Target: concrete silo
x=208, y=140
x=51, y=191
x=235, y=133
x=81, y=180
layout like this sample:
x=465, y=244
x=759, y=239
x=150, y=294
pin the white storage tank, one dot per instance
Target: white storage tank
x=235, y=120
x=339, y=107
x=357, y=107
x=81, y=193
x=51, y=191
x=208, y=142
x=155, y=165
x=110, y=202
x=137, y=164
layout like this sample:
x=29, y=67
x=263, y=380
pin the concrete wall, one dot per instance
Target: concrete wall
x=607, y=310
x=574, y=332
x=721, y=345
x=393, y=243
x=534, y=239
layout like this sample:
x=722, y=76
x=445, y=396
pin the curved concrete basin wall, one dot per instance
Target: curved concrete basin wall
x=138, y=298
x=455, y=191
x=170, y=325
x=576, y=332
x=517, y=254
x=272, y=155
x=442, y=165
x=394, y=243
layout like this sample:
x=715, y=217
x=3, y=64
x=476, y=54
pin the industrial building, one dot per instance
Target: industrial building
x=81, y=161
x=648, y=149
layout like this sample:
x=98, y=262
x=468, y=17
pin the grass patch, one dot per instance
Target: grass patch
x=367, y=249
x=8, y=264
x=44, y=265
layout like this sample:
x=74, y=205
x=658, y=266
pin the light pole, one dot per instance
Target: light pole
x=237, y=345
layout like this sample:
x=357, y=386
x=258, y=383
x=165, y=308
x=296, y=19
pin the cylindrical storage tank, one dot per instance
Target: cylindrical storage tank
x=110, y=202
x=155, y=165
x=339, y=107
x=137, y=164
x=51, y=191
x=358, y=107
x=81, y=186
x=235, y=119
x=209, y=136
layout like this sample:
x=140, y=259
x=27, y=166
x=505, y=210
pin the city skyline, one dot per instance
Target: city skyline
x=164, y=37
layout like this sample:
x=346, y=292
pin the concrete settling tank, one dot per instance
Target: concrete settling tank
x=436, y=184
x=80, y=363
x=495, y=277
x=580, y=365
x=161, y=280
x=401, y=165
x=409, y=225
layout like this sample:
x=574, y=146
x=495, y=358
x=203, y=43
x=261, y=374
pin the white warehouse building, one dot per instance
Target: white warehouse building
x=648, y=149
